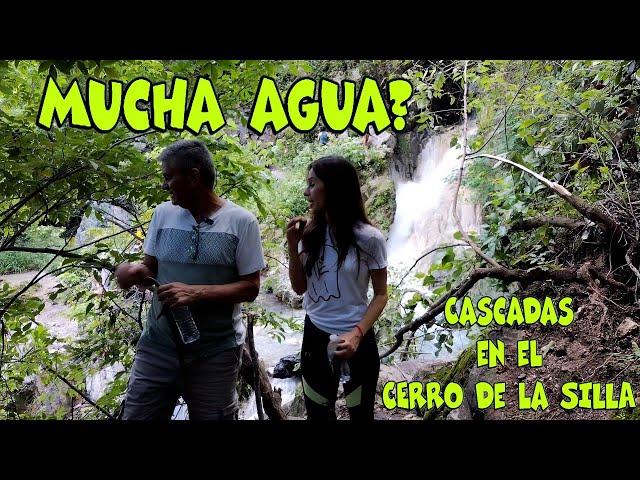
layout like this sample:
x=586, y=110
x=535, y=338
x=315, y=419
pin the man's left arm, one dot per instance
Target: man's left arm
x=177, y=294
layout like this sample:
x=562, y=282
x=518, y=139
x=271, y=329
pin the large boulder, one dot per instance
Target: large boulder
x=288, y=367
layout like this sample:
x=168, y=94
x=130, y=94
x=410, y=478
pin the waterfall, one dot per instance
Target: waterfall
x=424, y=220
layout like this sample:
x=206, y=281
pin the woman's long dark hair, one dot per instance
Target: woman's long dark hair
x=344, y=206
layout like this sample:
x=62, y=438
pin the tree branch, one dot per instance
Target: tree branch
x=594, y=214
x=542, y=221
x=75, y=389
x=424, y=255
x=504, y=116
x=55, y=178
x=509, y=275
x=135, y=227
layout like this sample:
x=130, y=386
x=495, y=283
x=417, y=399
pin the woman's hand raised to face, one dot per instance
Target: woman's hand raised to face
x=295, y=227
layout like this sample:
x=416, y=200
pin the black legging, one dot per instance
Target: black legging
x=320, y=382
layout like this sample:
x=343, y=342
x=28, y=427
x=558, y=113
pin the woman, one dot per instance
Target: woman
x=332, y=256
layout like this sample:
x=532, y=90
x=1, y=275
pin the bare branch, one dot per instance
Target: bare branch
x=502, y=273
x=79, y=392
x=273, y=258
x=504, y=116
x=55, y=178
x=589, y=211
x=135, y=227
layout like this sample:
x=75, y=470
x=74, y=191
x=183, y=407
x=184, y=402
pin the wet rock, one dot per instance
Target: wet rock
x=288, y=367
x=288, y=296
x=405, y=157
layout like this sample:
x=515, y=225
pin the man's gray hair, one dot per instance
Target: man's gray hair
x=188, y=154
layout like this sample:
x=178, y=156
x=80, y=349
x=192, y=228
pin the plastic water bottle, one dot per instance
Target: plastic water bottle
x=345, y=374
x=183, y=318
x=186, y=324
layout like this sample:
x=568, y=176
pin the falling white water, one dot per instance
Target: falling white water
x=287, y=387
x=424, y=220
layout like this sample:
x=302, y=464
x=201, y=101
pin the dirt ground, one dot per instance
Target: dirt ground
x=598, y=346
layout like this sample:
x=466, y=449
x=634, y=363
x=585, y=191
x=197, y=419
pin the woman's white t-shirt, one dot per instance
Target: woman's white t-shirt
x=336, y=299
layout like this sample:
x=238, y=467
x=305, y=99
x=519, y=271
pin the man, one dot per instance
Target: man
x=206, y=254
x=323, y=137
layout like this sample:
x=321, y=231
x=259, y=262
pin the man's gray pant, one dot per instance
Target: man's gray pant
x=208, y=387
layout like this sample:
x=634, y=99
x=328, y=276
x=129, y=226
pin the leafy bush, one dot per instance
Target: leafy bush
x=17, y=262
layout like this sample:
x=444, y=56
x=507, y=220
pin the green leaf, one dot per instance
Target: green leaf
x=528, y=122
x=428, y=280
x=449, y=257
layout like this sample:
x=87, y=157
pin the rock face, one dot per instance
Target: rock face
x=403, y=151
x=406, y=154
x=386, y=140
x=380, y=201
x=25, y=396
x=282, y=290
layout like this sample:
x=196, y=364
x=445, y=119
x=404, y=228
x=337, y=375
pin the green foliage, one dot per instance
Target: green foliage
x=293, y=152
x=573, y=121
x=16, y=262
x=381, y=207
x=437, y=94
x=565, y=123
x=55, y=177
x=277, y=325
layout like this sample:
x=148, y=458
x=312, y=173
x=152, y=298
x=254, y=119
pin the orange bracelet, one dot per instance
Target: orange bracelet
x=360, y=330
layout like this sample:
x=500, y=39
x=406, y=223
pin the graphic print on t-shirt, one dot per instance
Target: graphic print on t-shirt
x=324, y=276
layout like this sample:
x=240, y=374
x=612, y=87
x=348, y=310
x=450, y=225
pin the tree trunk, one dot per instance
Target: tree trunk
x=271, y=400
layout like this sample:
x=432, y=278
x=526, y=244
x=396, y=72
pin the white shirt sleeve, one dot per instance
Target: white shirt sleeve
x=377, y=250
x=149, y=247
x=249, y=255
